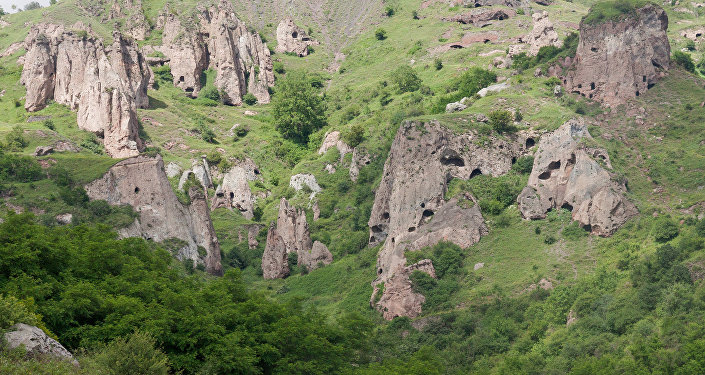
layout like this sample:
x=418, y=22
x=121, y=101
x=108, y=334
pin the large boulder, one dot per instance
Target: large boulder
x=620, y=60
x=543, y=34
x=142, y=183
x=289, y=235
x=482, y=17
x=293, y=39
x=35, y=341
x=410, y=211
x=106, y=84
x=568, y=174
x=235, y=191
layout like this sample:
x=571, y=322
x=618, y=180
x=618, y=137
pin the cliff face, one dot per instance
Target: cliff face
x=104, y=83
x=293, y=39
x=617, y=61
x=142, y=183
x=214, y=37
x=566, y=174
x=410, y=211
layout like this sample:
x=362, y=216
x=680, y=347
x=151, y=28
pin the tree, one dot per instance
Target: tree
x=2, y=12
x=475, y=79
x=380, y=34
x=405, y=78
x=298, y=109
x=501, y=121
x=683, y=59
x=32, y=5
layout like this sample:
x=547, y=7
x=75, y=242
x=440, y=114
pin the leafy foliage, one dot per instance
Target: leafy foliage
x=405, y=79
x=683, y=59
x=502, y=121
x=297, y=107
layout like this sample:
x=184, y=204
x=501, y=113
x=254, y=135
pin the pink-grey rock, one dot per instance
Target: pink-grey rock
x=543, y=34
x=293, y=39
x=235, y=191
x=35, y=341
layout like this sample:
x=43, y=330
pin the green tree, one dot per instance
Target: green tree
x=405, y=79
x=298, y=108
x=32, y=5
x=381, y=34
x=137, y=354
x=501, y=121
x=683, y=59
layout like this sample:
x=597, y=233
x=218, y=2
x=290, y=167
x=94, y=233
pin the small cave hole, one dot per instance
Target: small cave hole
x=411, y=229
x=570, y=161
x=475, y=172
x=423, y=205
x=232, y=195
x=545, y=175
x=376, y=229
x=649, y=86
x=590, y=96
x=137, y=190
x=530, y=142
x=256, y=171
x=580, y=85
x=565, y=81
x=367, y=162
x=554, y=165
x=486, y=41
x=643, y=78
x=372, y=239
x=182, y=79
x=592, y=85
x=385, y=216
x=593, y=49
x=514, y=159
x=189, y=89
x=427, y=213
x=456, y=46
x=379, y=271
x=294, y=35
x=588, y=228
x=452, y=159
x=567, y=206
x=637, y=93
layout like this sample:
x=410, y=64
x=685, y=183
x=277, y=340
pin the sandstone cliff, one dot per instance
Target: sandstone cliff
x=142, y=183
x=104, y=83
x=293, y=39
x=235, y=191
x=619, y=60
x=214, y=37
x=410, y=211
x=543, y=34
x=289, y=235
x=566, y=174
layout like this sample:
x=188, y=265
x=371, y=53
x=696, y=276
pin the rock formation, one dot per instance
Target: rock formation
x=136, y=24
x=293, y=39
x=331, y=140
x=482, y=18
x=488, y=3
x=616, y=61
x=543, y=34
x=200, y=170
x=142, y=183
x=104, y=83
x=289, y=235
x=214, y=37
x=305, y=181
x=235, y=191
x=410, y=211
x=566, y=175
x=35, y=341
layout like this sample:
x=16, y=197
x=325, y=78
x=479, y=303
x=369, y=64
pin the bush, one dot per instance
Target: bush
x=574, y=232
x=33, y=5
x=664, y=230
x=278, y=67
x=690, y=45
x=49, y=124
x=354, y=135
x=92, y=144
x=211, y=93
x=249, y=99
x=438, y=64
x=683, y=59
x=380, y=34
x=523, y=165
x=15, y=168
x=297, y=108
x=389, y=11
x=136, y=354
x=15, y=139
x=163, y=73
x=405, y=79
x=13, y=311
x=214, y=157
x=414, y=14
x=501, y=121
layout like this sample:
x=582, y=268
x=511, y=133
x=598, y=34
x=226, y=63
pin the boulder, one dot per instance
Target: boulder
x=488, y=3
x=359, y=160
x=235, y=191
x=35, y=341
x=618, y=60
x=455, y=107
x=566, y=175
x=64, y=219
x=482, y=17
x=301, y=180
x=142, y=183
x=543, y=34
x=410, y=211
x=332, y=139
x=293, y=39
x=399, y=298
x=497, y=87
x=173, y=170
x=289, y=235
x=106, y=84
x=43, y=150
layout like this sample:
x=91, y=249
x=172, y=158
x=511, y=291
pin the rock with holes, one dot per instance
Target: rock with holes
x=35, y=341
x=360, y=159
x=399, y=297
x=543, y=34
x=293, y=39
x=142, y=183
x=290, y=235
x=568, y=174
x=104, y=83
x=618, y=60
x=410, y=211
x=43, y=150
x=235, y=191
x=693, y=34
x=482, y=17
x=488, y=3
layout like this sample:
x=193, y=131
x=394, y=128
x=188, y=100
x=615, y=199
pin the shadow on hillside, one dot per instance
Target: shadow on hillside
x=156, y=103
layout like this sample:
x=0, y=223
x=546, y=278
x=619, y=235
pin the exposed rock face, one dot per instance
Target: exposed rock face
x=302, y=180
x=200, y=171
x=235, y=190
x=493, y=88
x=331, y=140
x=543, y=34
x=359, y=160
x=293, y=39
x=291, y=235
x=218, y=40
x=399, y=298
x=692, y=34
x=410, y=211
x=142, y=183
x=136, y=25
x=104, y=83
x=483, y=18
x=616, y=61
x=487, y=3
x=35, y=341
x=565, y=174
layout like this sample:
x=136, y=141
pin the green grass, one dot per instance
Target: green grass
x=607, y=11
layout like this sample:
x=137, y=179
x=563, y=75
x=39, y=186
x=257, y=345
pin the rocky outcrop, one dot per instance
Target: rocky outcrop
x=568, y=174
x=410, y=211
x=130, y=11
x=488, y=3
x=331, y=140
x=543, y=34
x=399, y=298
x=293, y=39
x=214, y=37
x=142, y=183
x=104, y=83
x=35, y=341
x=289, y=235
x=235, y=191
x=482, y=18
x=303, y=181
x=200, y=170
x=619, y=60
x=359, y=159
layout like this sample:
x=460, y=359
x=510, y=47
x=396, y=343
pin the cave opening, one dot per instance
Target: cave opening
x=567, y=206
x=530, y=142
x=475, y=172
x=137, y=190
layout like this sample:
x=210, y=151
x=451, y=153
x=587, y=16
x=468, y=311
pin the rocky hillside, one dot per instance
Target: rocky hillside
x=352, y=187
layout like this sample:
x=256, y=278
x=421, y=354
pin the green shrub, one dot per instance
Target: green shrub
x=683, y=59
x=438, y=63
x=414, y=14
x=211, y=93
x=405, y=79
x=380, y=34
x=389, y=11
x=297, y=108
x=15, y=139
x=163, y=73
x=49, y=124
x=523, y=165
x=278, y=67
x=612, y=11
x=136, y=354
x=214, y=157
x=664, y=229
x=354, y=135
x=574, y=231
x=501, y=121
x=249, y=99
x=92, y=144
x=16, y=168
x=690, y=45
x=13, y=311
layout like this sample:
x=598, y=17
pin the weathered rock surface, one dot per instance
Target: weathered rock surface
x=455, y=107
x=331, y=140
x=543, y=34
x=305, y=180
x=617, y=61
x=399, y=298
x=289, y=235
x=487, y=3
x=293, y=39
x=497, y=87
x=566, y=175
x=481, y=18
x=693, y=34
x=359, y=159
x=43, y=150
x=136, y=24
x=35, y=341
x=104, y=83
x=142, y=183
x=410, y=212
x=235, y=191
x=218, y=40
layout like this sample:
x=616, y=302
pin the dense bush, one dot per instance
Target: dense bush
x=524, y=165
x=15, y=139
x=354, y=135
x=501, y=121
x=210, y=92
x=249, y=99
x=683, y=59
x=380, y=34
x=297, y=107
x=15, y=168
x=664, y=229
x=405, y=79
x=467, y=85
